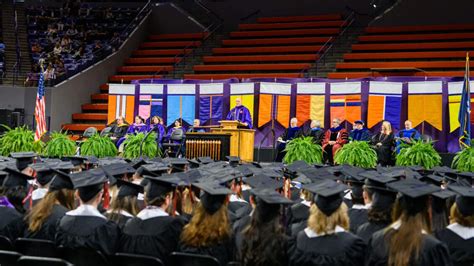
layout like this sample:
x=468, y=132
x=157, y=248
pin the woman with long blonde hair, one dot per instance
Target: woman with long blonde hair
x=383, y=142
x=209, y=232
x=326, y=240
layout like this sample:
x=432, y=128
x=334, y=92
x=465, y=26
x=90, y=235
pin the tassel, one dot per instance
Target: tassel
x=106, y=196
x=30, y=193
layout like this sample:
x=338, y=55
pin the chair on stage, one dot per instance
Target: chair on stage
x=175, y=146
x=41, y=261
x=125, y=259
x=36, y=247
x=9, y=258
x=188, y=259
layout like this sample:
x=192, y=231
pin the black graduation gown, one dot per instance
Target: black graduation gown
x=295, y=228
x=460, y=249
x=157, y=236
x=317, y=135
x=296, y=214
x=122, y=220
x=365, y=231
x=92, y=232
x=7, y=216
x=384, y=152
x=432, y=252
x=341, y=248
x=357, y=217
x=224, y=251
x=238, y=209
x=238, y=228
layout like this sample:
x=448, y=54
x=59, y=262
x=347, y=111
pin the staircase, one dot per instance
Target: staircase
x=9, y=38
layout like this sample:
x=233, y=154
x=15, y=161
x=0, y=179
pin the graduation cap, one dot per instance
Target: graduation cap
x=298, y=166
x=245, y=170
x=60, y=181
x=60, y=165
x=108, y=161
x=205, y=160
x=158, y=187
x=15, y=178
x=397, y=174
x=117, y=170
x=444, y=170
x=179, y=164
x=128, y=189
x=262, y=181
x=233, y=160
x=154, y=169
x=376, y=181
x=193, y=175
x=23, y=159
x=213, y=196
x=414, y=194
x=136, y=163
x=3, y=175
x=382, y=197
x=193, y=163
x=89, y=183
x=465, y=179
x=270, y=196
x=434, y=179
x=44, y=173
x=328, y=195
x=360, y=122
x=76, y=160
x=464, y=200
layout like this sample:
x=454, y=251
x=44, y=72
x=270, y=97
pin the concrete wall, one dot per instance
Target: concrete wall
x=165, y=20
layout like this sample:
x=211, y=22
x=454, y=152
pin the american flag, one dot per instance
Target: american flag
x=40, y=116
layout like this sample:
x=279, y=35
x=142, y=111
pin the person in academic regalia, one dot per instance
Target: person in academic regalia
x=237, y=207
x=153, y=231
x=359, y=133
x=86, y=227
x=383, y=143
x=43, y=175
x=195, y=127
x=441, y=203
x=326, y=241
x=264, y=241
x=138, y=127
x=209, y=232
x=358, y=213
x=407, y=135
x=333, y=140
x=315, y=131
x=119, y=129
x=407, y=241
x=157, y=126
x=240, y=113
x=298, y=214
x=459, y=235
x=124, y=207
x=292, y=132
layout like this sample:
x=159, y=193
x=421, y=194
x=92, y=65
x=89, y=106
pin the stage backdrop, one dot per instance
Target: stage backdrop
x=431, y=103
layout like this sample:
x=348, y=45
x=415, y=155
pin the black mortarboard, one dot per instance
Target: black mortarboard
x=434, y=179
x=76, y=160
x=139, y=162
x=262, y=181
x=108, y=161
x=179, y=164
x=128, y=189
x=154, y=169
x=414, y=194
x=89, y=183
x=439, y=199
x=382, y=197
x=245, y=170
x=23, y=159
x=375, y=180
x=443, y=194
x=443, y=170
x=117, y=170
x=44, y=173
x=158, y=187
x=398, y=174
x=270, y=196
x=205, y=160
x=3, y=175
x=465, y=178
x=60, y=181
x=328, y=195
x=213, y=196
x=15, y=178
x=193, y=163
x=193, y=175
x=297, y=166
x=233, y=160
x=60, y=165
x=464, y=199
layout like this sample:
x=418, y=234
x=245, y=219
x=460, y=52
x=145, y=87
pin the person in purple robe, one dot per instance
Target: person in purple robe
x=157, y=126
x=138, y=127
x=293, y=131
x=240, y=113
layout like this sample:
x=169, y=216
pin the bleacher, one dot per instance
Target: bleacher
x=2, y=52
x=274, y=47
x=435, y=50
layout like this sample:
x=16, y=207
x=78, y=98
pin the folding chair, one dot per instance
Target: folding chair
x=36, y=247
x=9, y=258
x=125, y=259
x=41, y=261
x=188, y=259
x=83, y=256
x=5, y=243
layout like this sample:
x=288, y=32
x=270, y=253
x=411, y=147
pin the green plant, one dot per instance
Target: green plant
x=419, y=153
x=303, y=149
x=19, y=139
x=99, y=147
x=464, y=160
x=132, y=146
x=60, y=145
x=357, y=153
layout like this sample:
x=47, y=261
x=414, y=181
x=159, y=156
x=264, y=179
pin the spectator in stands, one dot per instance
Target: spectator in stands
x=49, y=73
x=315, y=131
x=79, y=53
x=36, y=48
x=359, y=133
x=57, y=49
x=71, y=32
x=407, y=135
x=383, y=143
x=333, y=140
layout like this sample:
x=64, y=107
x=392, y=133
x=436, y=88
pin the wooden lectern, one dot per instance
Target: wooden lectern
x=241, y=140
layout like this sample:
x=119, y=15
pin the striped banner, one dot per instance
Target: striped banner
x=181, y=103
x=121, y=102
x=425, y=103
x=151, y=100
x=345, y=101
x=310, y=102
x=385, y=103
x=274, y=103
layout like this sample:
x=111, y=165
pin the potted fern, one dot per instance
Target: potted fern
x=149, y=148
x=303, y=149
x=99, y=147
x=60, y=145
x=464, y=160
x=19, y=139
x=419, y=153
x=357, y=153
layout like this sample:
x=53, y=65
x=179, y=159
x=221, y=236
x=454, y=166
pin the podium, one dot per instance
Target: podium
x=241, y=140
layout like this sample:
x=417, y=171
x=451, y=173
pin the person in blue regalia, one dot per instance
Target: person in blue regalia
x=407, y=135
x=359, y=133
x=293, y=131
x=240, y=113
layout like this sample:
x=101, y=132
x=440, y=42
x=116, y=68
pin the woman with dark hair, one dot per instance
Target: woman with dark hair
x=441, y=203
x=138, y=127
x=264, y=241
x=125, y=205
x=156, y=124
x=11, y=200
x=209, y=232
x=459, y=235
x=407, y=240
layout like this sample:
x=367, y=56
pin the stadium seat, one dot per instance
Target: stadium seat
x=5, y=243
x=36, y=247
x=83, y=257
x=125, y=259
x=9, y=258
x=41, y=261
x=187, y=259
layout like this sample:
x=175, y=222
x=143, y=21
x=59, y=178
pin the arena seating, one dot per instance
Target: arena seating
x=434, y=50
x=274, y=47
x=155, y=57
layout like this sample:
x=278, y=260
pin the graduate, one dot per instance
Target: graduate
x=298, y=213
x=358, y=213
x=359, y=133
x=125, y=205
x=153, y=231
x=209, y=231
x=326, y=240
x=264, y=240
x=293, y=131
x=43, y=176
x=86, y=227
x=407, y=240
x=459, y=235
x=333, y=140
x=315, y=131
x=407, y=135
x=14, y=189
x=240, y=113
x=383, y=143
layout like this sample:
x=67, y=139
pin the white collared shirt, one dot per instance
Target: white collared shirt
x=38, y=193
x=151, y=212
x=234, y=198
x=86, y=210
x=311, y=234
x=306, y=203
x=359, y=207
x=398, y=223
x=122, y=212
x=462, y=231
